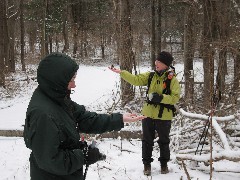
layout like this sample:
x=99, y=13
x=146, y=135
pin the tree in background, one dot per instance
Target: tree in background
x=223, y=24
x=4, y=42
x=156, y=31
x=209, y=36
x=236, y=80
x=43, y=28
x=190, y=35
x=22, y=35
x=127, y=57
x=66, y=23
x=153, y=33
x=234, y=41
x=12, y=15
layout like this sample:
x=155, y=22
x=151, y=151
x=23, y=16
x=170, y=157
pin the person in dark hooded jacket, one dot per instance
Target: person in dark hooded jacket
x=53, y=123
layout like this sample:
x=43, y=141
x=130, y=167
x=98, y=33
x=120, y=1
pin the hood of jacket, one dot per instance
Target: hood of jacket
x=53, y=75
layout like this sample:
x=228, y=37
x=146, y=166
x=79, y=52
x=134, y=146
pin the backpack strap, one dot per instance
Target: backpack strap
x=166, y=90
x=169, y=107
x=166, y=83
x=149, y=82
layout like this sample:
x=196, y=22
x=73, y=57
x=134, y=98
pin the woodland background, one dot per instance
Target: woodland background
x=129, y=34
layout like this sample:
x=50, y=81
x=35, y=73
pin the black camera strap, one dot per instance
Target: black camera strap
x=86, y=170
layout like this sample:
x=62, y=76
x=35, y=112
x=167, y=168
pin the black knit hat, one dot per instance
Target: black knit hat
x=165, y=57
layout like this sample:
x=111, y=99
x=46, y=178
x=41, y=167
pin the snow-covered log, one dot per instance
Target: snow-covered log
x=205, y=117
x=221, y=134
x=227, y=154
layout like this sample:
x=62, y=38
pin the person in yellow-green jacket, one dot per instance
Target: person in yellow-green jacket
x=163, y=92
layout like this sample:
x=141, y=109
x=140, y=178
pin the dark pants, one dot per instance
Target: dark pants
x=149, y=126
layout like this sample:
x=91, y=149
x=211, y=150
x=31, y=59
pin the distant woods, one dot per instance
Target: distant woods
x=128, y=32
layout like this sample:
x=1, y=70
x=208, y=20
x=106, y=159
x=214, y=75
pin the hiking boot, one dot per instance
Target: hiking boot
x=164, y=170
x=147, y=169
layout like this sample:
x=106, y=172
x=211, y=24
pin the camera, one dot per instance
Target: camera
x=101, y=156
x=91, y=152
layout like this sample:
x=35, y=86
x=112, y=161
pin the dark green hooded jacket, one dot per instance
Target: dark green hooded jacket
x=53, y=122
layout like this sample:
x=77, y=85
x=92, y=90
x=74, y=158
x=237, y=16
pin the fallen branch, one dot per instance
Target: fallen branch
x=105, y=168
x=221, y=134
x=123, y=149
x=187, y=151
x=205, y=117
x=216, y=169
x=190, y=130
x=185, y=170
x=228, y=155
x=11, y=133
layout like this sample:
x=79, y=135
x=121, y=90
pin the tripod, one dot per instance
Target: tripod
x=203, y=136
x=215, y=99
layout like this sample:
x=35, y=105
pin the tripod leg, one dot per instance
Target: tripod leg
x=201, y=137
x=208, y=124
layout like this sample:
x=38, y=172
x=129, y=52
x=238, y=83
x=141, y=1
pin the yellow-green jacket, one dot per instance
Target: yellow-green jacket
x=149, y=110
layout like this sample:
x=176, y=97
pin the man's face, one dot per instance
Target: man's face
x=72, y=84
x=160, y=66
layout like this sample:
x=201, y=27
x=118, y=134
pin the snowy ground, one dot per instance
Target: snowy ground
x=120, y=164
x=95, y=87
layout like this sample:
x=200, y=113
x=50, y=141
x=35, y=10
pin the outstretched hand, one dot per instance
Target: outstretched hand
x=128, y=117
x=112, y=68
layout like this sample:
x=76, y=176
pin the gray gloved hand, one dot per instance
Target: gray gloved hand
x=155, y=97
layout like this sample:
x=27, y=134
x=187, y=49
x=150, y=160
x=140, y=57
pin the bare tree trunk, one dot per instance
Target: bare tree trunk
x=12, y=16
x=65, y=28
x=222, y=69
x=49, y=32
x=57, y=42
x=153, y=35
x=103, y=50
x=189, y=43
x=43, y=33
x=116, y=5
x=236, y=81
x=164, y=26
x=127, y=55
x=208, y=53
x=65, y=36
x=78, y=16
x=103, y=41
x=159, y=27
x=223, y=19
x=209, y=36
x=22, y=36
x=50, y=42
x=84, y=43
x=4, y=43
x=75, y=38
x=32, y=36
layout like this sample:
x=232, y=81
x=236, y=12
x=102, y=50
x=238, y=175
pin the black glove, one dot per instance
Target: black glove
x=82, y=145
x=92, y=155
x=155, y=97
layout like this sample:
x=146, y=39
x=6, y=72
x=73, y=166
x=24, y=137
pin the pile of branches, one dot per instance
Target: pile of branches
x=203, y=139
